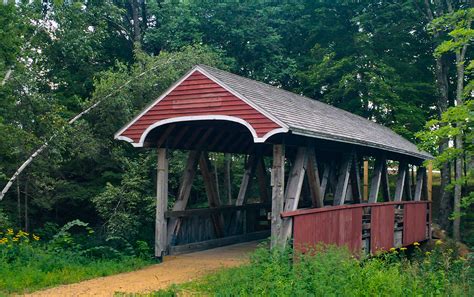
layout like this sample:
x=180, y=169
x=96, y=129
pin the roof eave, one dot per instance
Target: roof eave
x=330, y=137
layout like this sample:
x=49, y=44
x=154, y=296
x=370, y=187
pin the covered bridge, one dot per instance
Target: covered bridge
x=306, y=156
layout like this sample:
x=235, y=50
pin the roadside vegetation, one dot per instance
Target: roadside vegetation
x=29, y=263
x=441, y=271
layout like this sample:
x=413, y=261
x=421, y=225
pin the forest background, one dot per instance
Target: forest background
x=404, y=64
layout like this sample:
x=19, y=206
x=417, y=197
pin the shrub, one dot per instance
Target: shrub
x=28, y=263
x=334, y=271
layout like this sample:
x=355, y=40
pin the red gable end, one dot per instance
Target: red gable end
x=198, y=97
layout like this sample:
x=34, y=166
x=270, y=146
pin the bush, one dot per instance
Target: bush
x=28, y=263
x=335, y=272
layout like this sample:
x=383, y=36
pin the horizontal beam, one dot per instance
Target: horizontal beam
x=214, y=210
x=213, y=243
x=300, y=212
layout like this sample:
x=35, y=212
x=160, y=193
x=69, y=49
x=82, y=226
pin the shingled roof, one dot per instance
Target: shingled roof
x=312, y=118
x=207, y=93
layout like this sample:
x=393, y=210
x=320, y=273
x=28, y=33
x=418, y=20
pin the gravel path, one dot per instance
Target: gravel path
x=174, y=270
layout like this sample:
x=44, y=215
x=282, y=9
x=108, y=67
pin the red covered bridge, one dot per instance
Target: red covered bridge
x=318, y=154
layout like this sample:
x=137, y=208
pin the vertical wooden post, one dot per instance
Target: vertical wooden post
x=408, y=184
x=227, y=182
x=211, y=192
x=376, y=179
x=385, y=183
x=343, y=180
x=183, y=194
x=430, y=181
x=313, y=180
x=366, y=180
x=161, y=203
x=355, y=180
x=278, y=185
x=249, y=170
x=324, y=181
x=401, y=178
x=420, y=176
x=293, y=192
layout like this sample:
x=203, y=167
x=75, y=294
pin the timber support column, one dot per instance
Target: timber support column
x=278, y=188
x=161, y=203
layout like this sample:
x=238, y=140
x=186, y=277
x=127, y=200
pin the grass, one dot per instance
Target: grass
x=335, y=272
x=26, y=267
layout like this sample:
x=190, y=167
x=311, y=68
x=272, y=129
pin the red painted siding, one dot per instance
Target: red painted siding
x=382, y=225
x=414, y=223
x=196, y=96
x=341, y=227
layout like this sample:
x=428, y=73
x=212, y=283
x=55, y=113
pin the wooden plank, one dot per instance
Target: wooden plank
x=343, y=179
x=339, y=227
x=313, y=180
x=165, y=135
x=193, y=137
x=201, y=212
x=161, y=203
x=177, y=139
x=249, y=170
x=211, y=192
x=408, y=185
x=278, y=184
x=203, y=139
x=262, y=180
x=382, y=228
x=376, y=179
x=217, y=139
x=401, y=178
x=213, y=243
x=293, y=192
x=414, y=223
x=420, y=177
x=366, y=180
x=183, y=194
x=385, y=183
x=227, y=181
x=355, y=180
x=324, y=181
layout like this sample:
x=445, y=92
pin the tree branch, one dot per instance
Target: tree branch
x=7, y=76
x=69, y=123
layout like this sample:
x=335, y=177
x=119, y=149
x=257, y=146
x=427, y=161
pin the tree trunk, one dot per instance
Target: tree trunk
x=459, y=144
x=441, y=74
x=217, y=177
x=135, y=7
x=18, y=195
x=27, y=221
x=445, y=202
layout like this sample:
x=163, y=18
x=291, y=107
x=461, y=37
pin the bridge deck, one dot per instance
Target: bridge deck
x=174, y=270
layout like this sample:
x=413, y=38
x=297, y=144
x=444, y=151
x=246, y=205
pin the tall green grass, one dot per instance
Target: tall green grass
x=335, y=272
x=28, y=263
x=36, y=268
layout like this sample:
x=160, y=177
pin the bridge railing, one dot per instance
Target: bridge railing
x=370, y=227
x=204, y=228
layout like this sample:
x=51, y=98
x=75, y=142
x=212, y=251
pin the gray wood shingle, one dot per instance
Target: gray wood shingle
x=313, y=118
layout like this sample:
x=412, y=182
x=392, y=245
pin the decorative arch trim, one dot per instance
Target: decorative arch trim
x=255, y=137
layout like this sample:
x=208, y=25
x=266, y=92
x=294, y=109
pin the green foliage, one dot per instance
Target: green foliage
x=29, y=263
x=458, y=24
x=334, y=272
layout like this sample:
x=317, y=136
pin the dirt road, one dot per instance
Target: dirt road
x=174, y=270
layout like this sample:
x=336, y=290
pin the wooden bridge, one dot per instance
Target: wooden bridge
x=306, y=157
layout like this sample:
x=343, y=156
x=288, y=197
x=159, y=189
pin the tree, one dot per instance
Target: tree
x=458, y=24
